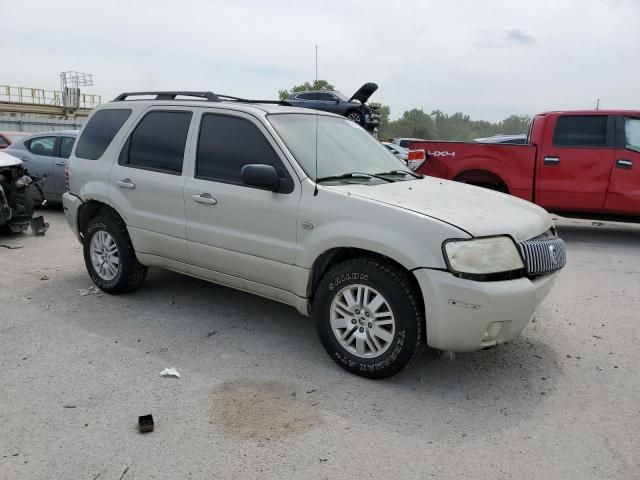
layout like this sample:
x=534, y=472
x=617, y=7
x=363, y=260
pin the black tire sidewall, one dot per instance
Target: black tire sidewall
x=407, y=329
x=359, y=121
x=104, y=224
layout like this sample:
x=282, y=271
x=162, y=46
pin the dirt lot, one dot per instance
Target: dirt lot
x=258, y=397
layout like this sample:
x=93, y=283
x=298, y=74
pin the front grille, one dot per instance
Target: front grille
x=543, y=255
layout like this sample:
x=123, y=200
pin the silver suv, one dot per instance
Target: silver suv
x=308, y=209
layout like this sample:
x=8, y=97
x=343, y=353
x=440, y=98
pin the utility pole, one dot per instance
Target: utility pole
x=597, y=104
x=316, y=63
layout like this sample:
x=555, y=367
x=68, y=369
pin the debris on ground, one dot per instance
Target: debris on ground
x=68, y=406
x=88, y=291
x=124, y=473
x=145, y=423
x=47, y=306
x=44, y=277
x=598, y=367
x=170, y=372
x=597, y=224
x=311, y=390
x=211, y=333
x=12, y=247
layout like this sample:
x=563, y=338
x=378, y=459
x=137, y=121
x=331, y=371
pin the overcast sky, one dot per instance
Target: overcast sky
x=488, y=58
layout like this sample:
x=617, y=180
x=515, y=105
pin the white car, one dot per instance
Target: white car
x=400, y=152
x=308, y=209
x=19, y=191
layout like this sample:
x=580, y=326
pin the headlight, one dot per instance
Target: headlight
x=483, y=256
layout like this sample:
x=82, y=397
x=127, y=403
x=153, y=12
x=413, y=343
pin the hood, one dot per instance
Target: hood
x=7, y=160
x=364, y=92
x=477, y=211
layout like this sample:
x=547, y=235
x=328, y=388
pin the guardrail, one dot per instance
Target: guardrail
x=52, y=98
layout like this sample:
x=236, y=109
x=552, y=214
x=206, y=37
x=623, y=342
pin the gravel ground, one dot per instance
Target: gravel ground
x=258, y=397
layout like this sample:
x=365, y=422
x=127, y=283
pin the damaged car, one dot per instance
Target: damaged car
x=354, y=108
x=19, y=192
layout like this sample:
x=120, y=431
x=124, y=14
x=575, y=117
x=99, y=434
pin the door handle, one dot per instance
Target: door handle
x=205, y=199
x=126, y=183
x=624, y=163
x=63, y=162
x=551, y=160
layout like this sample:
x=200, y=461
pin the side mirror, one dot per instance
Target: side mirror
x=337, y=100
x=261, y=176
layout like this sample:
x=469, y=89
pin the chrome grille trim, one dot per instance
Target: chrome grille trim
x=543, y=255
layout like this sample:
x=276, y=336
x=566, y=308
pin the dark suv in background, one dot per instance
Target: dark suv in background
x=354, y=107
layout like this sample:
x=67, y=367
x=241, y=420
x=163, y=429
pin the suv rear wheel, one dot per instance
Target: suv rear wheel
x=369, y=317
x=109, y=255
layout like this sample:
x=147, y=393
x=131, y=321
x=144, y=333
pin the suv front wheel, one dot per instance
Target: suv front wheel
x=109, y=255
x=369, y=317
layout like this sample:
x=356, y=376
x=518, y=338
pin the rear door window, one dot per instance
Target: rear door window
x=581, y=131
x=99, y=132
x=158, y=142
x=42, y=145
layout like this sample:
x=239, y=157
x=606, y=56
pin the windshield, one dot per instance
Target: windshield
x=343, y=146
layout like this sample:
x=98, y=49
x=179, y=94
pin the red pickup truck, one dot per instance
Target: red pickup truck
x=576, y=163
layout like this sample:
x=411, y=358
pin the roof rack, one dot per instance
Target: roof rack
x=208, y=96
x=246, y=100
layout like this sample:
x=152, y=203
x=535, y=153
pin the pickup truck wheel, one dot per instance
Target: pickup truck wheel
x=369, y=317
x=109, y=255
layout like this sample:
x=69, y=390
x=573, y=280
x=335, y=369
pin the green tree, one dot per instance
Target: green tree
x=413, y=123
x=515, y=124
x=316, y=85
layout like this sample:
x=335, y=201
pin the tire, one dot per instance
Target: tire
x=355, y=116
x=365, y=350
x=120, y=272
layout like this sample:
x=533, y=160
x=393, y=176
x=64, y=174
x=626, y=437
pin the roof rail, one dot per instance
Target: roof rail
x=168, y=95
x=246, y=100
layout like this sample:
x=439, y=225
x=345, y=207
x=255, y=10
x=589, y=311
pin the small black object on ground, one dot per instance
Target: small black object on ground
x=145, y=423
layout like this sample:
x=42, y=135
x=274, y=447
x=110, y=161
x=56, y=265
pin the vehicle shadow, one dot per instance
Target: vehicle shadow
x=623, y=234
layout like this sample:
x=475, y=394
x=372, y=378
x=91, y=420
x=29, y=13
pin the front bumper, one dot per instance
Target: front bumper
x=466, y=315
x=71, y=205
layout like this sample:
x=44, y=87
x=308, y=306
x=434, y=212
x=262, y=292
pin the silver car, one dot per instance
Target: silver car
x=45, y=154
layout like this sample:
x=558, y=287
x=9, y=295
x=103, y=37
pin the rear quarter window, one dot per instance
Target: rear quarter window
x=99, y=132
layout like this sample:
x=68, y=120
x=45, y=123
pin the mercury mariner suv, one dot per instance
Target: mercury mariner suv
x=308, y=209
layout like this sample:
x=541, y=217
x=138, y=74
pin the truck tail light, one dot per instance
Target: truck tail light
x=415, y=158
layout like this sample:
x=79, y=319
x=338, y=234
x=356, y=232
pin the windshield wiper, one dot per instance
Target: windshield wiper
x=353, y=175
x=401, y=172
